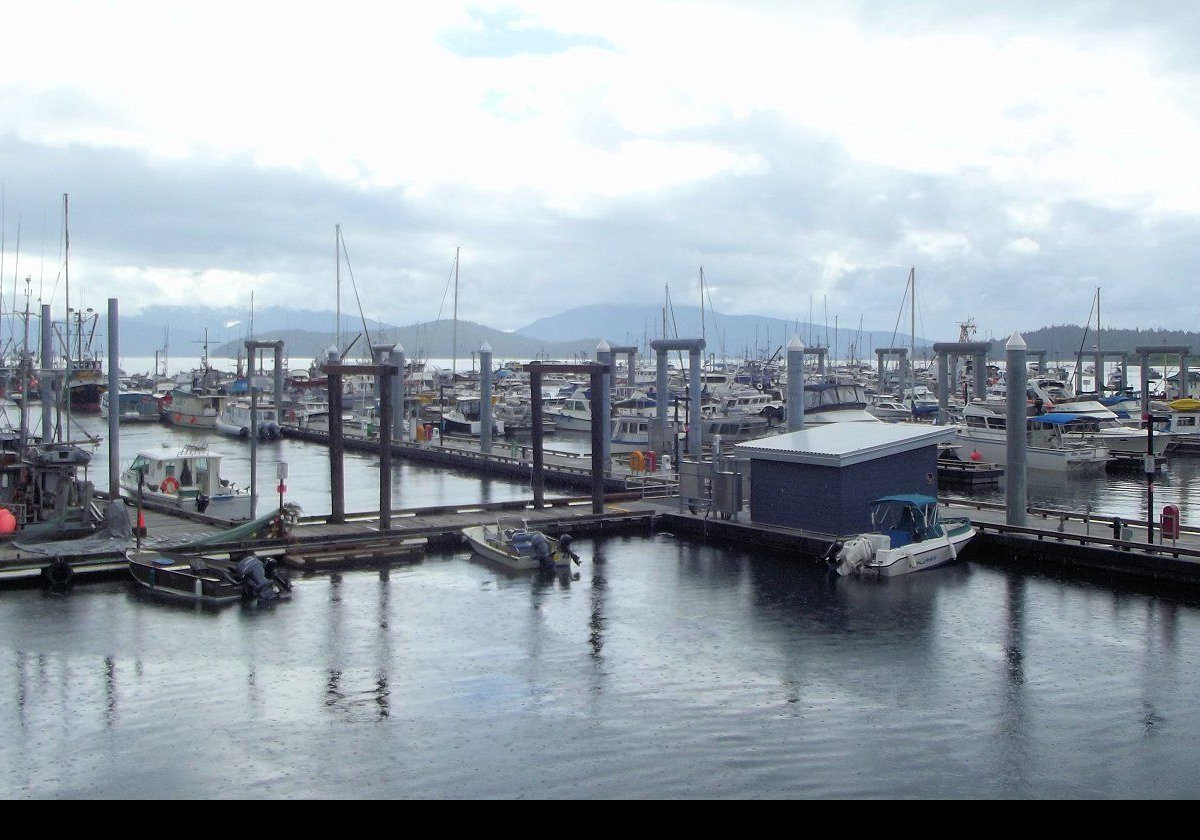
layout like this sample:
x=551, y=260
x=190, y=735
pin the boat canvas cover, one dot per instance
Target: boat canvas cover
x=915, y=499
x=1056, y=419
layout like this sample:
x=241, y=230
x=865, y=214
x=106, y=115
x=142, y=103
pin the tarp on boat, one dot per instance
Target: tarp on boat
x=113, y=538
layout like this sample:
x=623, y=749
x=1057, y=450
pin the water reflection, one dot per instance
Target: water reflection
x=658, y=668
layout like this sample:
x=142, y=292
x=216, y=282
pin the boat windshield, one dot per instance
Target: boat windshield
x=905, y=521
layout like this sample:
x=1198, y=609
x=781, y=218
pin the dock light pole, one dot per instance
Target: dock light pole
x=1017, y=423
x=1151, y=466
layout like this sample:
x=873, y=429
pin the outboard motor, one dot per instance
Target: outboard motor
x=831, y=557
x=564, y=545
x=541, y=550
x=254, y=578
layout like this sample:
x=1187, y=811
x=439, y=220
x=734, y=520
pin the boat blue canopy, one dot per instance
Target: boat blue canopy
x=1058, y=419
x=908, y=499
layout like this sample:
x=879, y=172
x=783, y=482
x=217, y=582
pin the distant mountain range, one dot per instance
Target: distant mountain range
x=570, y=334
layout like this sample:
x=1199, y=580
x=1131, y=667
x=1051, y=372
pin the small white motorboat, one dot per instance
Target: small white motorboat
x=513, y=544
x=910, y=535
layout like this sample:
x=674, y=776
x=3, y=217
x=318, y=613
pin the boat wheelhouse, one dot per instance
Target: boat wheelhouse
x=133, y=406
x=189, y=480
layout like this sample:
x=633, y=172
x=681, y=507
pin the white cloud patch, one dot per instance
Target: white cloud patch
x=794, y=149
x=1024, y=246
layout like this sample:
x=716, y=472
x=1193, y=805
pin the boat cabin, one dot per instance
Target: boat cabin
x=189, y=473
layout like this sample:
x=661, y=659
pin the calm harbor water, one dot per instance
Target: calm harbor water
x=662, y=667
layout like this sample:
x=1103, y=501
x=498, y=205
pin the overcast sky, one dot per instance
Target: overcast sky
x=1018, y=156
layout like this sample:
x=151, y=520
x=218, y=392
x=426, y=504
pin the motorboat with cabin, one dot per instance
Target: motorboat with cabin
x=466, y=418
x=189, y=480
x=134, y=406
x=235, y=421
x=193, y=409
x=909, y=535
x=983, y=434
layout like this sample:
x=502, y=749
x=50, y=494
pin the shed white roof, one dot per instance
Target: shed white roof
x=844, y=444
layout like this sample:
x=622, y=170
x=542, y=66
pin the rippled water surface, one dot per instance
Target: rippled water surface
x=664, y=668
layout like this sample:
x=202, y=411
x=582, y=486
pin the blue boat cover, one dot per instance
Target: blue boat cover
x=909, y=499
x=1057, y=419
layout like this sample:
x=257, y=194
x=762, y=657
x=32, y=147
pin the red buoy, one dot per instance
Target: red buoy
x=976, y=455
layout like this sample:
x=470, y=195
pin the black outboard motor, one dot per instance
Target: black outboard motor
x=564, y=545
x=254, y=578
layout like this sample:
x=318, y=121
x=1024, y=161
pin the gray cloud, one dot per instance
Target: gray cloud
x=765, y=239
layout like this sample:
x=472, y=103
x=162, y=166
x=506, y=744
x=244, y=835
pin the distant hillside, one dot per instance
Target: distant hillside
x=1063, y=342
x=430, y=340
x=738, y=334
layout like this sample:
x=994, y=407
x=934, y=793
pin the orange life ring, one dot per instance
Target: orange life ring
x=170, y=484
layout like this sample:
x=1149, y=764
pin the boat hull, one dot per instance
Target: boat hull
x=914, y=557
x=483, y=539
x=1075, y=461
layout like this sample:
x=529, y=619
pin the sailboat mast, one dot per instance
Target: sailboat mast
x=65, y=395
x=912, y=333
x=702, y=303
x=1100, y=354
x=454, y=329
x=337, y=259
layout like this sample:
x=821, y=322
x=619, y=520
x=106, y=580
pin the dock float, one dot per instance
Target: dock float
x=316, y=543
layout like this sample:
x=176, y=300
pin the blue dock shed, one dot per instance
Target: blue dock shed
x=824, y=478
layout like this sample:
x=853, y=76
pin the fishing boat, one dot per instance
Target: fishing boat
x=466, y=418
x=133, y=407
x=235, y=421
x=212, y=581
x=910, y=535
x=630, y=433
x=189, y=480
x=194, y=409
x=511, y=543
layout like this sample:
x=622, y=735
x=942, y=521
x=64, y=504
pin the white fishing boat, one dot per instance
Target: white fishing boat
x=983, y=436
x=630, y=433
x=466, y=419
x=189, y=480
x=198, y=410
x=235, y=421
x=910, y=535
x=889, y=409
x=513, y=544
x=574, y=416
